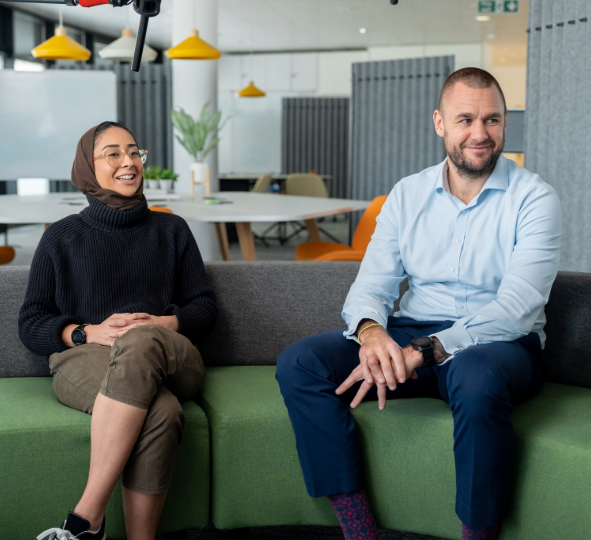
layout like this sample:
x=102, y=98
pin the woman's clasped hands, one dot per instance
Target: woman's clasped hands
x=119, y=323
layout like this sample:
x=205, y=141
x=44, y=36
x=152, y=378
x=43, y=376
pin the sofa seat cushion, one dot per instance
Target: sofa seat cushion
x=44, y=459
x=408, y=454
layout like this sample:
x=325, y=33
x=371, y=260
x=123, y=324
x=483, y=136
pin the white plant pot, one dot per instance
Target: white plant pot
x=166, y=185
x=200, y=179
x=153, y=184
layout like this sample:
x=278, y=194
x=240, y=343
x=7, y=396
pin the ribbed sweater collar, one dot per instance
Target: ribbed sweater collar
x=101, y=216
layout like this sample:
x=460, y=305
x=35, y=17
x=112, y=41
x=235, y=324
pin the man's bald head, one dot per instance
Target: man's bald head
x=472, y=78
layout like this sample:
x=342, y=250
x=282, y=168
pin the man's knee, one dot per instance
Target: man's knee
x=476, y=387
x=295, y=360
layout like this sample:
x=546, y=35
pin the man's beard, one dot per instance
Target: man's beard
x=465, y=168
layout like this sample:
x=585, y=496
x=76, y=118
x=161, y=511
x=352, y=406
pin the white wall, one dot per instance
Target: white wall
x=251, y=141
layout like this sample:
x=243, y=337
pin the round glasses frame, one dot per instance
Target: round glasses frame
x=142, y=155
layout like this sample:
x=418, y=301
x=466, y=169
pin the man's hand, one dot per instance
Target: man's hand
x=382, y=362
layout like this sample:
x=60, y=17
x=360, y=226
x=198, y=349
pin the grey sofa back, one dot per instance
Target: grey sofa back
x=266, y=306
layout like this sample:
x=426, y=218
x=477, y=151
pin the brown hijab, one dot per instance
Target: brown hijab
x=84, y=179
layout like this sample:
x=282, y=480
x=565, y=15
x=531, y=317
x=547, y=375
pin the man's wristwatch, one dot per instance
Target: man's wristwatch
x=79, y=335
x=424, y=344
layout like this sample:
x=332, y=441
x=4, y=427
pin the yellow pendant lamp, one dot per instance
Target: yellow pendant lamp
x=61, y=47
x=251, y=91
x=193, y=48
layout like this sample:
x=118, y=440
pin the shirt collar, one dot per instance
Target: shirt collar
x=499, y=178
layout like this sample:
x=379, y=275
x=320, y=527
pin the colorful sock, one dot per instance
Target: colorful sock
x=479, y=533
x=354, y=515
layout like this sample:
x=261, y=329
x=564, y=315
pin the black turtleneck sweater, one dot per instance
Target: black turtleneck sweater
x=102, y=261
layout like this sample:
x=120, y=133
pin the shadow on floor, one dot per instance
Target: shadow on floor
x=287, y=533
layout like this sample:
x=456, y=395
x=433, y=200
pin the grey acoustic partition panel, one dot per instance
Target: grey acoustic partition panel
x=144, y=102
x=144, y=105
x=557, y=116
x=392, y=132
x=315, y=134
x=514, y=135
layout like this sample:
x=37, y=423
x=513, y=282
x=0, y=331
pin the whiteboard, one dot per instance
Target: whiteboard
x=44, y=114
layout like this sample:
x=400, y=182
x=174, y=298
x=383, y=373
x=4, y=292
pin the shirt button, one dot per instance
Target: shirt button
x=457, y=240
x=460, y=306
x=453, y=269
x=459, y=284
x=459, y=347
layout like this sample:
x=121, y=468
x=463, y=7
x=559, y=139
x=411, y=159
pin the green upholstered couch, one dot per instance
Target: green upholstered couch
x=238, y=464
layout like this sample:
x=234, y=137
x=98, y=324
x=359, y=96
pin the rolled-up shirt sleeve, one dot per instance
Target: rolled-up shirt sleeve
x=375, y=290
x=525, y=287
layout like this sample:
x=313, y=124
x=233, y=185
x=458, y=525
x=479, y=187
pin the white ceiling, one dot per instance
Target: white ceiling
x=263, y=25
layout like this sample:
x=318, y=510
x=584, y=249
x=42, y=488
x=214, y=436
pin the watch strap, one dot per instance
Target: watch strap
x=428, y=356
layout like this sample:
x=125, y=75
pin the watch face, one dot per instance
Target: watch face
x=422, y=342
x=78, y=336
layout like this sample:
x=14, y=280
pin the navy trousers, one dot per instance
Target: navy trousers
x=481, y=385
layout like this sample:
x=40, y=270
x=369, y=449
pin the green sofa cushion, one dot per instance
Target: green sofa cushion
x=44, y=459
x=256, y=478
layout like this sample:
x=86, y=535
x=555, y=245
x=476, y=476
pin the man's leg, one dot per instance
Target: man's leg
x=308, y=373
x=481, y=385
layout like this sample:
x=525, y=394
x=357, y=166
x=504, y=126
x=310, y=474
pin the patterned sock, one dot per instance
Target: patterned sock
x=479, y=533
x=354, y=515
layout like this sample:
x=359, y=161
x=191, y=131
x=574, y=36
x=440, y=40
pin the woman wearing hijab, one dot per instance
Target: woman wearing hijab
x=117, y=297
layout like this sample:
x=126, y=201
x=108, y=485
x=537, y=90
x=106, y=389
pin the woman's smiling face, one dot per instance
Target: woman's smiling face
x=120, y=168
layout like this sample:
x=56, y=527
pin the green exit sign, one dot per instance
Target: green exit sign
x=498, y=6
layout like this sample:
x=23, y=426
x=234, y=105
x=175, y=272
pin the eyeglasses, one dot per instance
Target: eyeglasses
x=115, y=157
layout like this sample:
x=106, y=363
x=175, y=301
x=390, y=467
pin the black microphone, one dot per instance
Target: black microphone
x=146, y=9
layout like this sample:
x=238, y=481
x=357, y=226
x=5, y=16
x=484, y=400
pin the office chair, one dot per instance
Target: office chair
x=307, y=185
x=329, y=251
x=160, y=209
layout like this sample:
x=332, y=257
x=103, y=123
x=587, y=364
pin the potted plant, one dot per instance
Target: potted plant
x=199, y=137
x=152, y=176
x=167, y=177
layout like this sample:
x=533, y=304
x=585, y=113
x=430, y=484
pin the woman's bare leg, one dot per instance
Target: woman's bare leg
x=114, y=430
x=142, y=514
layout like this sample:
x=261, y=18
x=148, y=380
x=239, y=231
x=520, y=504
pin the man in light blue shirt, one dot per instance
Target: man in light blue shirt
x=478, y=238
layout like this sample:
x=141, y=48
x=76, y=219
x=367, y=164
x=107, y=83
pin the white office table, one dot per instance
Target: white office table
x=244, y=209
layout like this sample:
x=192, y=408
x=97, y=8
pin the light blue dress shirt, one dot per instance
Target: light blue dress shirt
x=487, y=265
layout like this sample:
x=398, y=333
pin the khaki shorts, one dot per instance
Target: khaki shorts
x=148, y=367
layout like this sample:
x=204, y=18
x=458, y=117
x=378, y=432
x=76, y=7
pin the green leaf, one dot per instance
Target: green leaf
x=199, y=137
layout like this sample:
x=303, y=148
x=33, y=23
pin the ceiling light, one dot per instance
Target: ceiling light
x=482, y=18
x=251, y=91
x=123, y=49
x=61, y=47
x=193, y=48
x=490, y=36
x=362, y=30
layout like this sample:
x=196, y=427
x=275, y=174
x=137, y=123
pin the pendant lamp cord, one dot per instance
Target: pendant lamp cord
x=61, y=17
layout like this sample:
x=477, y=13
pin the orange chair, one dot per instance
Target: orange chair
x=329, y=251
x=160, y=209
x=6, y=254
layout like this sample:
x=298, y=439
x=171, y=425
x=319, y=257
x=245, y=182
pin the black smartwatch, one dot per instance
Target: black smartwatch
x=424, y=344
x=79, y=335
